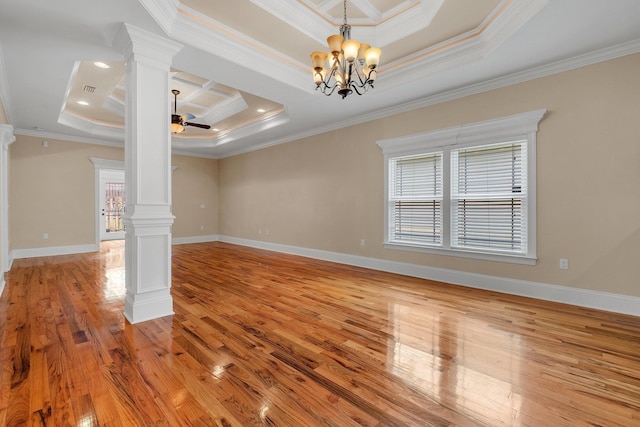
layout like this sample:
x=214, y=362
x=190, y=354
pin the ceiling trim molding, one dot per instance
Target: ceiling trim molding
x=225, y=109
x=200, y=31
x=95, y=141
x=591, y=58
x=316, y=26
x=163, y=11
x=215, y=38
x=502, y=25
x=470, y=46
x=110, y=131
x=70, y=138
x=389, y=31
x=276, y=119
x=180, y=152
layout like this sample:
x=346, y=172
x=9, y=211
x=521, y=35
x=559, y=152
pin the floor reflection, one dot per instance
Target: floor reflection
x=453, y=360
x=112, y=263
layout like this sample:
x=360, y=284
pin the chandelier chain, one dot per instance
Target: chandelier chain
x=345, y=13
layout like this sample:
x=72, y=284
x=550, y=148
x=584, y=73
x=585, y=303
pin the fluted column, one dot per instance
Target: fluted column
x=148, y=217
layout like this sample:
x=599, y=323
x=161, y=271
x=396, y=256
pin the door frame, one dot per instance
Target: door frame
x=108, y=176
x=100, y=166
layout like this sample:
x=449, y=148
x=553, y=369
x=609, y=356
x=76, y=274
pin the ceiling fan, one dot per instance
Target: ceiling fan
x=178, y=122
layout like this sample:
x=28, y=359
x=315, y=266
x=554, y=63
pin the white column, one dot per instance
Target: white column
x=147, y=162
x=6, y=138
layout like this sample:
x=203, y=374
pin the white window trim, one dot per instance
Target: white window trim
x=522, y=126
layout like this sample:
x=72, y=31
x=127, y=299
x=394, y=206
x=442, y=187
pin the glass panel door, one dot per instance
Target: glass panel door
x=112, y=205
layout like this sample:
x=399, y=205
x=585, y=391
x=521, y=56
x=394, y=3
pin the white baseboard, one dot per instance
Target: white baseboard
x=617, y=303
x=53, y=250
x=2, y=282
x=194, y=239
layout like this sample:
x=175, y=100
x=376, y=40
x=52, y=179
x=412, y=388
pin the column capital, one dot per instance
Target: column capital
x=6, y=136
x=132, y=40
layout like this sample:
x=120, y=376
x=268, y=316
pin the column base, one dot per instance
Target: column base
x=137, y=309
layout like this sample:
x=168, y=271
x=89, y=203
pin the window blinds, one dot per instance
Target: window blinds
x=488, y=197
x=416, y=199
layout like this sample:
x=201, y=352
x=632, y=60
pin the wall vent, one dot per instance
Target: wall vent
x=88, y=89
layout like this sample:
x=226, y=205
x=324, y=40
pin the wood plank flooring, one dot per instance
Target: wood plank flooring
x=261, y=338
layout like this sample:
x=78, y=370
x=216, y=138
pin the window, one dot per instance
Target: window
x=466, y=191
x=416, y=198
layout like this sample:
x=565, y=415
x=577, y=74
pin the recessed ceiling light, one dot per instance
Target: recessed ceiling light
x=101, y=64
x=83, y=103
x=261, y=110
x=215, y=130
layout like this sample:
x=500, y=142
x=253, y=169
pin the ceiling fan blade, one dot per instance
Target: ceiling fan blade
x=198, y=125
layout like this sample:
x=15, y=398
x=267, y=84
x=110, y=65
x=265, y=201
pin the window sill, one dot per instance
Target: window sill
x=485, y=256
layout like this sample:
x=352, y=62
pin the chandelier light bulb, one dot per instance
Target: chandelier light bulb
x=350, y=49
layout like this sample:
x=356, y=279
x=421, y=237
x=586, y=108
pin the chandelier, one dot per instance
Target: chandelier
x=352, y=65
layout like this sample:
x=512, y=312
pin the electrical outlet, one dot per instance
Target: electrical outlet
x=201, y=205
x=564, y=264
x=362, y=242
x=45, y=236
x=201, y=227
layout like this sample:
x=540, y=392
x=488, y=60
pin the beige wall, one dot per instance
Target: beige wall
x=3, y=114
x=51, y=190
x=326, y=192
x=195, y=183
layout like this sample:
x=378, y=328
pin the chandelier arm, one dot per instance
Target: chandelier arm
x=362, y=78
x=325, y=90
x=357, y=89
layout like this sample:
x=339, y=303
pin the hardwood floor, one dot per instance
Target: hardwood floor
x=262, y=338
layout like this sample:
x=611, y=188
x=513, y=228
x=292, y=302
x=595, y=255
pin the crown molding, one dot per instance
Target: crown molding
x=201, y=31
x=188, y=153
x=502, y=25
x=96, y=141
x=66, y=137
x=404, y=25
x=163, y=11
x=225, y=109
x=110, y=131
x=606, y=54
x=316, y=26
x=195, y=29
x=473, y=45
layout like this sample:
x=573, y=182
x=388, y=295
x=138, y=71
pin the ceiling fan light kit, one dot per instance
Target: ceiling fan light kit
x=179, y=122
x=352, y=66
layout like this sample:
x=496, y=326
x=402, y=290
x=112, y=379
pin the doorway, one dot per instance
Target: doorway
x=111, y=204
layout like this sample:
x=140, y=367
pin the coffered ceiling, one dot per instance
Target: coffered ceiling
x=245, y=68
